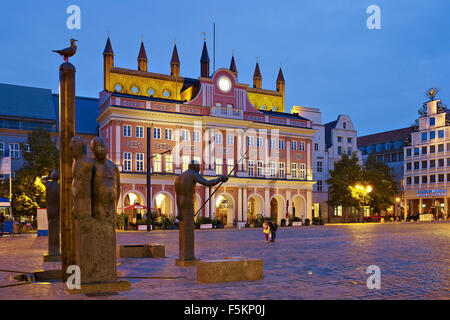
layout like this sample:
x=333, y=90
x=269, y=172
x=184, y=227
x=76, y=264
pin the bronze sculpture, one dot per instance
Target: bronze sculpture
x=185, y=195
x=68, y=52
x=52, y=196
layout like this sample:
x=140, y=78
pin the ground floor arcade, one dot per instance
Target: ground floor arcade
x=435, y=202
x=239, y=200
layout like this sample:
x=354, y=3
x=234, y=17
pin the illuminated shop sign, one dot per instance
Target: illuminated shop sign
x=432, y=193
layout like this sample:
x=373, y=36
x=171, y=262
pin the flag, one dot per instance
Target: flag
x=5, y=165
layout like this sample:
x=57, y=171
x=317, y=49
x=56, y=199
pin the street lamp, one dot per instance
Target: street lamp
x=364, y=190
x=397, y=200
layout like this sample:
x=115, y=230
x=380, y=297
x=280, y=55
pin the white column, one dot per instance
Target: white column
x=309, y=204
x=420, y=205
x=239, y=204
x=266, y=202
x=288, y=198
x=207, y=214
x=245, y=204
x=213, y=205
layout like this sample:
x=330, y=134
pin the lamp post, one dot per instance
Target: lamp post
x=364, y=190
x=397, y=202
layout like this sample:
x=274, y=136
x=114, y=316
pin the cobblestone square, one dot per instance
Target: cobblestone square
x=316, y=262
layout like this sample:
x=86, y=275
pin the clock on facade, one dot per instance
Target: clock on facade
x=224, y=84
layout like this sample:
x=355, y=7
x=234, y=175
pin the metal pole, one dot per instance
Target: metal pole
x=149, y=176
x=66, y=133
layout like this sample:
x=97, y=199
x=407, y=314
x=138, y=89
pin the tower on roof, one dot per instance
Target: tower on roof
x=175, y=62
x=257, y=79
x=204, y=62
x=281, y=84
x=142, y=58
x=233, y=66
x=108, y=63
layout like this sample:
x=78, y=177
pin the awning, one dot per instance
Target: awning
x=135, y=206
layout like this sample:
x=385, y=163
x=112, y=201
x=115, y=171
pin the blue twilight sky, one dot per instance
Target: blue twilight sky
x=330, y=59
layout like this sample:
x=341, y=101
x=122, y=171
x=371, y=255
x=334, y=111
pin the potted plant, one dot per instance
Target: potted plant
x=204, y=223
x=142, y=224
x=295, y=221
x=259, y=220
x=283, y=222
x=307, y=222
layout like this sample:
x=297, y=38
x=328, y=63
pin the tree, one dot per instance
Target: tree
x=347, y=172
x=384, y=184
x=41, y=158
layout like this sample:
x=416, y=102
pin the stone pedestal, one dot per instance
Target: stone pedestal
x=141, y=251
x=186, y=263
x=51, y=258
x=229, y=270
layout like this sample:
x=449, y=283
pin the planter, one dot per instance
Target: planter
x=258, y=225
x=206, y=226
x=241, y=225
x=297, y=223
x=142, y=227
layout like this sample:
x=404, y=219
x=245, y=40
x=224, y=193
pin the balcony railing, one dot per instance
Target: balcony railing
x=227, y=113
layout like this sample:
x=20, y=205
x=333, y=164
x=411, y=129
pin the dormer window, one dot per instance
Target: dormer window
x=344, y=125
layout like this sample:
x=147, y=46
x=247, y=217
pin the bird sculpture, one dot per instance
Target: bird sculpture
x=68, y=52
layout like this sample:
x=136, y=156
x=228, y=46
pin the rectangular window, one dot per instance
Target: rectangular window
x=416, y=151
x=259, y=142
x=259, y=169
x=2, y=149
x=185, y=135
x=432, y=179
x=408, y=180
x=230, y=166
x=440, y=133
x=424, y=164
x=448, y=146
x=126, y=130
x=169, y=163
x=168, y=133
x=349, y=151
x=448, y=162
x=432, y=135
x=219, y=166
x=273, y=169
x=349, y=140
x=433, y=149
x=196, y=136
x=302, y=146
x=157, y=163
x=432, y=121
x=250, y=141
x=319, y=186
x=339, y=150
x=424, y=150
x=440, y=163
x=251, y=168
x=432, y=163
x=424, y=136
x=139, y=162
x=293, y=170
x=319, y=166
x=185, y=163
x=441, y=177
x=281, y=144
x=424, y=179
x=272, y=143
x=416, y=180
x=127, y=161
x=440, y=147
x=408, y=166
x=139, y=132
x=448, y=176
x=294, y=145
x=218, y=138
x=338, y=211
x=281, y=170
x=416, y=165
x=156, y=133
x=339, y=139
x=14, y=150
x=230, y=139
x=408, y=152
x=316, y=147
x=302, y=171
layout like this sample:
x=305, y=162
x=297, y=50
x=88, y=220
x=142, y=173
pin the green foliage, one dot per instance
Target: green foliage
x=216, y=222
x=293, y=218
x=259, y=218
x=203, y=220
x=120, y=221
x=347, y=172
x=385, y=187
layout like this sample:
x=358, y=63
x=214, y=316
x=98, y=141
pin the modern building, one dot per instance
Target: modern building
x=23, y=109
x=229, y=127
x=427, y=163
x=387, y=147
